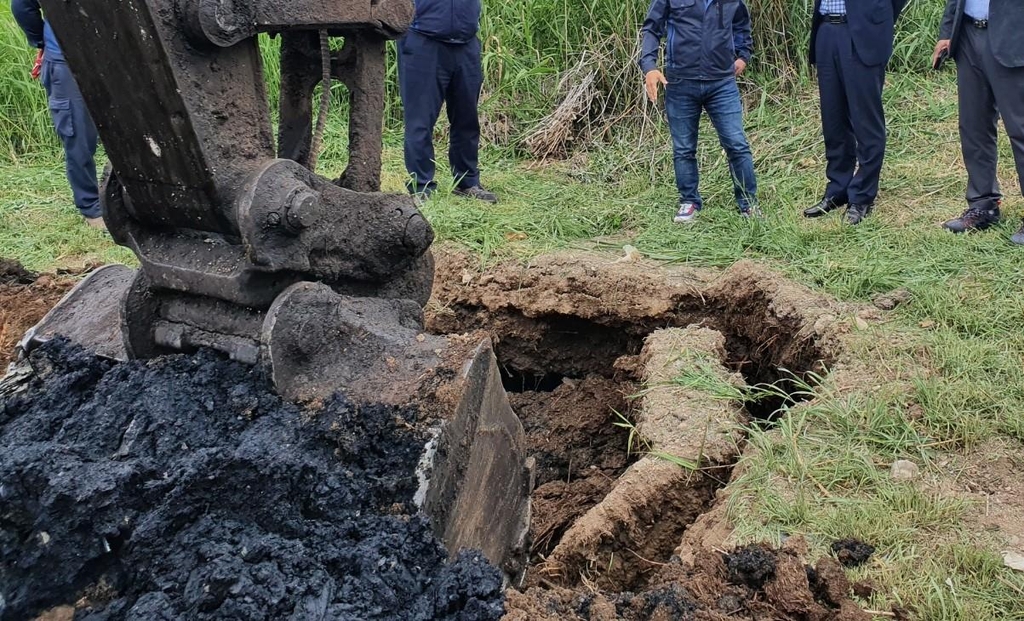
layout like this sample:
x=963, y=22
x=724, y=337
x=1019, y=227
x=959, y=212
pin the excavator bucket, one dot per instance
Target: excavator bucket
x=244, y=249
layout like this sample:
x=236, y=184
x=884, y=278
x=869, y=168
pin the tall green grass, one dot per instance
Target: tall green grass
x=24, y=118
x=529, y=45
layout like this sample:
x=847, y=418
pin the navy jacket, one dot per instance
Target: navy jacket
x=29, y=16
x=1005, y=25
x=704, y=37
x=872, y=25
x=449, y=21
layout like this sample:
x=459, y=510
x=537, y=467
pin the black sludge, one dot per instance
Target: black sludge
x=183, y=488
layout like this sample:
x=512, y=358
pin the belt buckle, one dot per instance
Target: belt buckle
x=835, y=19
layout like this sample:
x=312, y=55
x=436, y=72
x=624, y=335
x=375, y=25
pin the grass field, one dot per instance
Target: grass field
x=949, y=386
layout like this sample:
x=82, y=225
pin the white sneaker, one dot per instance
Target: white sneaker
x=687, y=213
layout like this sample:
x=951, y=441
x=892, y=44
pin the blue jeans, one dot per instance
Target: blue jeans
x=77, y=133
x=684, y=101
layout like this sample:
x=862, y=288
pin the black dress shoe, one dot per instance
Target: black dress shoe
x=823, y=208
x=856, y=213
x=976, y=218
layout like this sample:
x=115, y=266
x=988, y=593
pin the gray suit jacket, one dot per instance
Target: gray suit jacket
x=1005, y=25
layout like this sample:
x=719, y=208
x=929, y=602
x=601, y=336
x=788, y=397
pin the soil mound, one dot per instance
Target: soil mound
x=755, y=582
x=182, y=488
x=24, y=299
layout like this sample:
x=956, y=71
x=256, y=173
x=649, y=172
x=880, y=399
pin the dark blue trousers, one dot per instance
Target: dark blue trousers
x=432, y=73
x=852, y=117
x=78, y=134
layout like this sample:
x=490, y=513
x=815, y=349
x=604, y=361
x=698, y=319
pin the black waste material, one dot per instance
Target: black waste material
x=852, y=552
x=182, y=488
x=752, y=565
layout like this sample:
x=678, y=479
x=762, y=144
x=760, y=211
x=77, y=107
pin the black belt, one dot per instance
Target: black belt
x=981, y=24
x=833, y=19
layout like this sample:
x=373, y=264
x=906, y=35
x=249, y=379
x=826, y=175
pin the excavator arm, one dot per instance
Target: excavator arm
x=246, y=250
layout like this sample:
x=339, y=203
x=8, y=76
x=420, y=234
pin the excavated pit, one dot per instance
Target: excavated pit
x=591, y=349
x=574, y=316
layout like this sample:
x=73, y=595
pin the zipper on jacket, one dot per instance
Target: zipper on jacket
x=671, y=41
x=721, y=20
x=452, y=17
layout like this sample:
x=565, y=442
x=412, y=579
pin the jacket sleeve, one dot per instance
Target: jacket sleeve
x=948, y=18
x=742, y=39
x=29, y=16
x=651, y=34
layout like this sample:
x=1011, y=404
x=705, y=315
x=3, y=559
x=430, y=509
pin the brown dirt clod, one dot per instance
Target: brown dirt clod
x=24, y=299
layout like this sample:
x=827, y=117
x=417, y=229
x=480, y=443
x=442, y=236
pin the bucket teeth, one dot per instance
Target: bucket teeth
x=88, y=314
x=479, y=478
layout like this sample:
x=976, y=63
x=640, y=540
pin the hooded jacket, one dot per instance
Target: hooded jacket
x=703, y=37
x=448, y=21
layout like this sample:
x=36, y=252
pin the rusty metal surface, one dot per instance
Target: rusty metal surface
x=88, y=314
x=260, y=258
x=195, y=190
x=481, y=478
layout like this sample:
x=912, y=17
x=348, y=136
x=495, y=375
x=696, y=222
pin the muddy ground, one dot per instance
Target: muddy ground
x=616, y=534
x=182, y=488
x=571, y=431
x=752, y=582
x=590, y=348
x=24, y=298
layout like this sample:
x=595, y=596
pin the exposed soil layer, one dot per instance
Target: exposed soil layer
x=24, y=299
x=610, y=547
x=575, y=315
x=751, y=583
x=580, y=451
x=182, y=488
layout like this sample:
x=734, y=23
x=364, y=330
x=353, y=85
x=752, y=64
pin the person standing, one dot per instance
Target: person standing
x=984, y=38
x=708, y=47
x=71, y=118
x=851, y=43
x=439, y=63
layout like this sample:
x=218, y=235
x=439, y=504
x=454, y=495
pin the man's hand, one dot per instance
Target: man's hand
x=940, y=47
x=652, y=80
x=37, y=68
x=739, y=67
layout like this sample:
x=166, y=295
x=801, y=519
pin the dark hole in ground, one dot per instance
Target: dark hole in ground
x=775, y=387
x=539, y=353
x=516, y=381
x=572, y=432
x=569, y=377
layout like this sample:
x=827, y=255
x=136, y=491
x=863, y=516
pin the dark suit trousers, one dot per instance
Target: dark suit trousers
x=987, y=90
x=852, y=118
x=430, y=74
